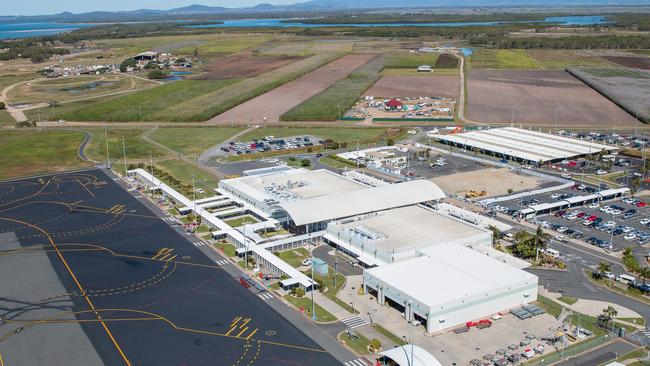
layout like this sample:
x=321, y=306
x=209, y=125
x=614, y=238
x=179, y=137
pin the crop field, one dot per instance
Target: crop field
x=35, y=152
x=406, y=60
x=331, y=103
x=72, y=88
x=635, y=62
x=192, y=141
x=269, y=106
x=428, y=84
x=244, y=65
x=446, y=62
x=136, y=148
x=628, y=88
x=155, y=104
x=539, y=97
x=561, y=59
x=338, y=134
x=502, y=59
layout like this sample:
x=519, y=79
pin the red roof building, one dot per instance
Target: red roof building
x=394, y=104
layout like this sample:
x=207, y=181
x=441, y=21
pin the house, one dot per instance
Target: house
x=146, y=56
x=425, y=68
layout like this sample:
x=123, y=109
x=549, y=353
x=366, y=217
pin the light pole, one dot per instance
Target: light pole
x=406, y=353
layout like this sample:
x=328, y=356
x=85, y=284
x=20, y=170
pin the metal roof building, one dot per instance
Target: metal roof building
x=461, y=285
x=523, y=145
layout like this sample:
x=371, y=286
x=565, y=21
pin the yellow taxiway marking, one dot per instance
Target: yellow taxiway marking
x=252, y=333
x=234, y=321
x=245, y=322
x=240, y=333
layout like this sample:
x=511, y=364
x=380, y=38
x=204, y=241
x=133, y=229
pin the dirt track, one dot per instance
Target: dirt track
x=268, y=107
x=244, y=65
x=532, y=97
x=416, y=86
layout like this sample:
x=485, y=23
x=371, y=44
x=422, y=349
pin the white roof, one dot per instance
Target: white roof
x=402, y=356
x=360, y=201
x=452, y=273
x=526, y=144
x=293, y=184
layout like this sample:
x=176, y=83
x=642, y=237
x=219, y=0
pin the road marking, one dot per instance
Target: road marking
x=354, y=322
x=252, y=333
x=357, y=362
x=265, y=296
x=84, y=187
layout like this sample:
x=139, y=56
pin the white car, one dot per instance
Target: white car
x=555, y=196
x=609, y=224
x=629, y=236
x=306, y=262
x=566, y=175
x=609, y=275
x=587, y=223
x=645, y=222
x=582, y=187
x=560, y=238
x=601, y=172
x=562, y=229
x=627, y=229
x=593, y=205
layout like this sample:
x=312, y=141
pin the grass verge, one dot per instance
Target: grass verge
x=568, y=300
x=26, y=152
x=359, y=344
x=194, y=140
x=294, y=257
x=395, y=339
x=322, y=315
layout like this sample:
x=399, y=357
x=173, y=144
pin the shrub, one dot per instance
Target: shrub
x=3, y=105
x=156, y=74
x=298, y=291
x=305, y=162
x=375, y=344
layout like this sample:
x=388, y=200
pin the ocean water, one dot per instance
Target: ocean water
x=24, y=30
x=261, y=23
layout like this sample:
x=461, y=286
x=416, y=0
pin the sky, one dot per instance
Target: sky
x=41, y=7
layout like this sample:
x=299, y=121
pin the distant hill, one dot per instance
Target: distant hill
x=198, y=11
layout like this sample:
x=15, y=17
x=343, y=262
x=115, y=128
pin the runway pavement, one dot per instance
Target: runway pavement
x=142, y=293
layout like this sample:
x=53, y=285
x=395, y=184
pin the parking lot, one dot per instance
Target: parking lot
x=269, y=143
x=626, y=220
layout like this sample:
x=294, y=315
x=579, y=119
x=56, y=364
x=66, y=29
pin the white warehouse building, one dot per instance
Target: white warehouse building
x=450, y=284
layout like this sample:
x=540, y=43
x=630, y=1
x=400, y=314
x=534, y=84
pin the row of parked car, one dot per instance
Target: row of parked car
x=598, y=223
x=612, y=139
x=267, y=144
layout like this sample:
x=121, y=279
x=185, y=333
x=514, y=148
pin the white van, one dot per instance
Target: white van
x=553, y=253
x=626, y=279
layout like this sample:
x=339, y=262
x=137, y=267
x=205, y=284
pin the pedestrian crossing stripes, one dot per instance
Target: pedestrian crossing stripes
x=357, y=362
x=201, y=243
x=265, y=296
x=139, y=196
x=354, y=322
x=169, y=219
x=221, y=262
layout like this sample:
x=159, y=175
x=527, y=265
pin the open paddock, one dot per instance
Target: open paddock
x=539, y=97
x=244, y=65
x=417, y=86
x=635, y=62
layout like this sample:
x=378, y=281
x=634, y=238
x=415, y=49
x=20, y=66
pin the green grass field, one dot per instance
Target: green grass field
x=561, y=59
x=294, y=257
x=333, y=102
x=35, y=152
x=192, y=141
x=502, y=59
x=339, y=134
x=322, y=315
x=6, y=119
x=226, y=248
x=136, y=148
x=149, y=105
x=184, y=171
x=414, y=72
x=359, y=344
x=568, y=300
x=224, y=45
x=240, y=221
x=405, y=60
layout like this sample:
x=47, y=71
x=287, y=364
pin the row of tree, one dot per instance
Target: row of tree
x=571, y=42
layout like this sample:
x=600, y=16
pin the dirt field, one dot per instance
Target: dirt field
x=268, y=107
x=636, y=62
x=495, y=181
x=244, y=65
x=539, y=97
x=416, y=86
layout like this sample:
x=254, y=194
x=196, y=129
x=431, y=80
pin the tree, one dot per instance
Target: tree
x=298, y=291
x=156, y=74
x=541, y=238
x=644, y=272
x=129, y=62
x=375, y=344
x=523, y=245
x=2, y=105
x=305, y=162
x=610, y=312
x=604, y=267
x=390, y=142
x=496, y=233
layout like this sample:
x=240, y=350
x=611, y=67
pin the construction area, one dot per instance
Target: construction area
x=407, y=108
